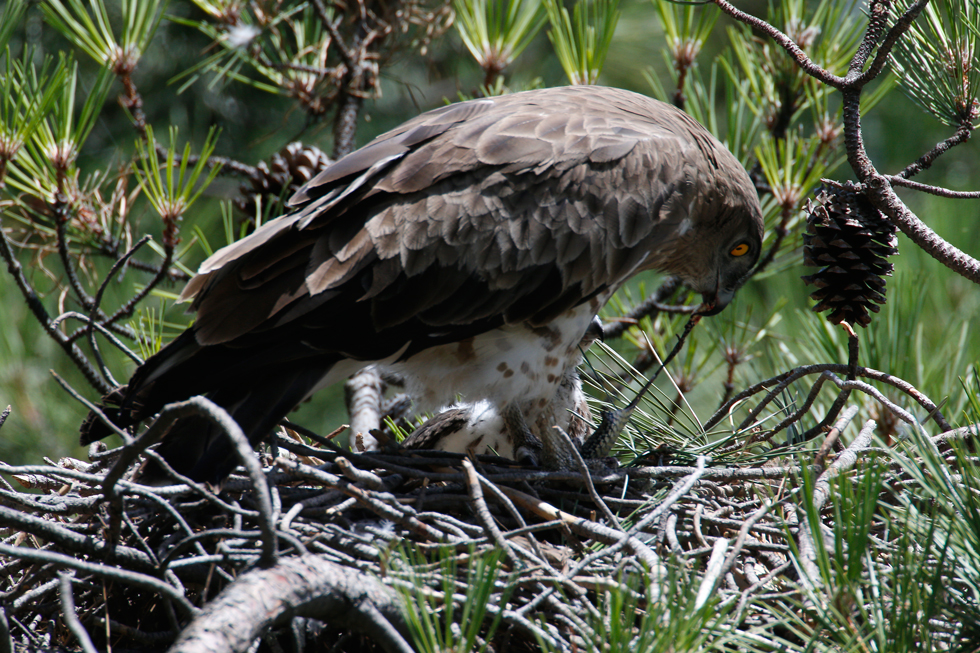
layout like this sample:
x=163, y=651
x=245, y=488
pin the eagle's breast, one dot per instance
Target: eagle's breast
x=515, y=362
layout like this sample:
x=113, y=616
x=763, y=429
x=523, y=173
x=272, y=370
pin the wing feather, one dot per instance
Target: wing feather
x=463, y=218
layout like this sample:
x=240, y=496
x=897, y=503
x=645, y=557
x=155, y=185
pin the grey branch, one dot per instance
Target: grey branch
x=308, y=586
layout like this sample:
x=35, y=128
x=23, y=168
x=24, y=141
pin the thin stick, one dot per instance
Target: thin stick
x=70, y=617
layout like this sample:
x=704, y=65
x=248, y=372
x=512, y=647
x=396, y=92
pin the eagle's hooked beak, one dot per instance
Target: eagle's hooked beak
x=714, y=301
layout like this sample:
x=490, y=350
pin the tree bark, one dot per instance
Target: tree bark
x=308, y=586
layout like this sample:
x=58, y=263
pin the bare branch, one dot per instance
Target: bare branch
x=71, y=619
x=924, y=162
x=786, y=43
x=104, y=571
x=308, y=586
x=933, y=190
x=41, y=314
x=883, y=196
x=891, y=39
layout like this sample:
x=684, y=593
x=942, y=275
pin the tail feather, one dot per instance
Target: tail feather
x=198, y=449
x=258, y=386
x=153, y=385
x=93, y=428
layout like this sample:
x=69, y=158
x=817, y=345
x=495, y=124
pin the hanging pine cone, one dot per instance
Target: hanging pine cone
x=850, y=241
x=289, y=168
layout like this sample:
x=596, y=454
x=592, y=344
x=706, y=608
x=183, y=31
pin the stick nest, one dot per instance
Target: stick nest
x=137, y=564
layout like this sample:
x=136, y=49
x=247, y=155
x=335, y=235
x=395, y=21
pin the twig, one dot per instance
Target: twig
x=104, y=571
x=834, y=435
x=808, y=541
x=857, y=79
x=59, y=210
x=971, y=431
x=878, y=12
x=41, y=314
x=681, y=488
x=101, y=329
x=924, y=162
x=225, y=163
x=204, y=407
x=516, y=514
x=781, y=381
x=35, y=593
x=743, y=534
x=933, y=190
x=883, y=196
x=785, y=42
x=762, y=582
x=97, y=301
x=647, y=308
x=587, y=477
x=480, y=507
x=364, y=497
x=126, y=310
x=71, y=619
x=714, y=570
x=308, y=586
x=361, y=477
x=6, y=643
x=77, y=543
x=584, y=526
x=94, y=409
x=842, y=397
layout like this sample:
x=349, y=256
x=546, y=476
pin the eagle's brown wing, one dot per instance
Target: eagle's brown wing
x=513, y=208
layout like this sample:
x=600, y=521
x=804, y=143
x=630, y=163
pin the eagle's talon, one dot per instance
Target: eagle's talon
x=526, y=457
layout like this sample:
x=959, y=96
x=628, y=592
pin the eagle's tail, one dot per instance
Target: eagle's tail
x=258, y=386
x=197, y=448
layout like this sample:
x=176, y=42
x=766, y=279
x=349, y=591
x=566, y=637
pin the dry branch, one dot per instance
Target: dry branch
x=307, y=586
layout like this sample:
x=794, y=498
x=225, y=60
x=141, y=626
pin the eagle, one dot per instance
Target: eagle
x=468, y=251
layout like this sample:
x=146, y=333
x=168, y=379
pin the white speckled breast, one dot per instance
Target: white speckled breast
x=514, y=362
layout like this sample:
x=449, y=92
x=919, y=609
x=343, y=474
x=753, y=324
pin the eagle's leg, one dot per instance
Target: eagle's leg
x=527, y=447
x=600, y=443
x=363, y=394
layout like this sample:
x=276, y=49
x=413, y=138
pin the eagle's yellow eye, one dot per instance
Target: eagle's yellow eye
x=739, y=250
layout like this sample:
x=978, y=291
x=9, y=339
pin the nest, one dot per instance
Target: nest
x=310, y=545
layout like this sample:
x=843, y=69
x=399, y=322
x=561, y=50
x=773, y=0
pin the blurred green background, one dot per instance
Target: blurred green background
x=928, y=332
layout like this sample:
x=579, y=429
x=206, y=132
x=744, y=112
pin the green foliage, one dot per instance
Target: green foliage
x=431, y=603
x=582, y=40
x=10, y=19
x=944, y=515
x=861, y=599
x=173, y=194
x=47, y=163
x=287, y=49
x=687, y=27
x=939, y=65
x=26, y=97
x=656, y=615
x=496, y=32
x=93, y=34
x=867, y=598
x=783, y=125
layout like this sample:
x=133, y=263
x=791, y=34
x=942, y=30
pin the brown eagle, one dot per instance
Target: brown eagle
x=467, y=250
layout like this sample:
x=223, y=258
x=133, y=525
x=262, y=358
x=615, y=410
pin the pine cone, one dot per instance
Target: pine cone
x=286, y=172
x=851, y=240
